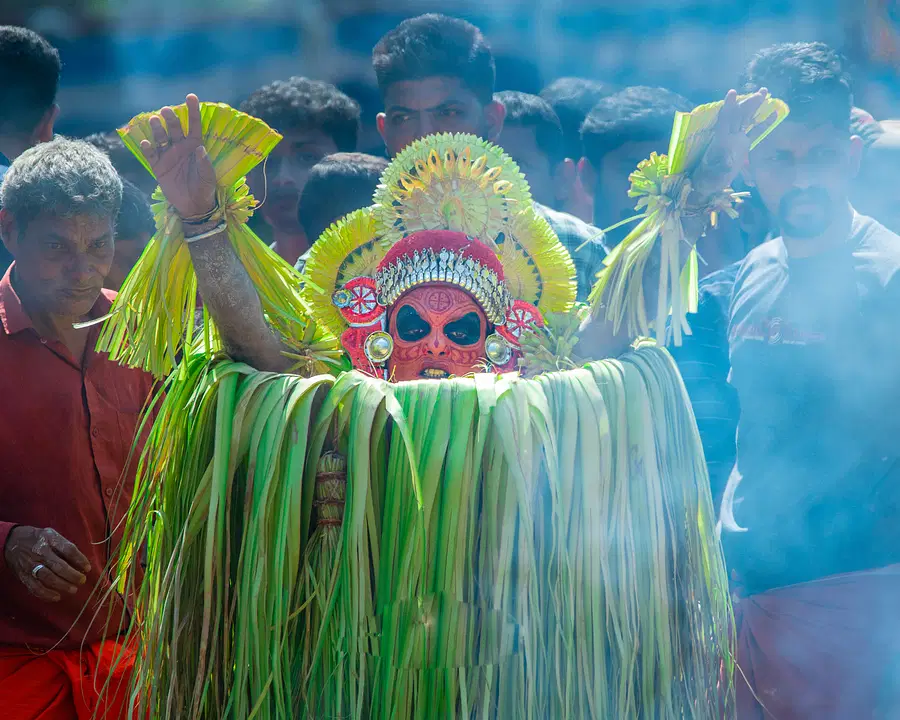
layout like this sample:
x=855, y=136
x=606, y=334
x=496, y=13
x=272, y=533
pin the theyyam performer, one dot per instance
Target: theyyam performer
x=417, y=480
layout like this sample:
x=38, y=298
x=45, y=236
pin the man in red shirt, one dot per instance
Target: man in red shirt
x=66, y=433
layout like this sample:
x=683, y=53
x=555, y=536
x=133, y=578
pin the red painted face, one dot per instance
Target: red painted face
x=438, y=332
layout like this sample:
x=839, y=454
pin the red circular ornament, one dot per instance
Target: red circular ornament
x=358, y=302
x=521, y=316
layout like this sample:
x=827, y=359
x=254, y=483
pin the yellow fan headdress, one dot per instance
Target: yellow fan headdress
x=450, y=209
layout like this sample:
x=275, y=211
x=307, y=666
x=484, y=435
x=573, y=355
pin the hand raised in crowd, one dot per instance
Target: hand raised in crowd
x=729, y=149
x=180, y=163
x=45, y=562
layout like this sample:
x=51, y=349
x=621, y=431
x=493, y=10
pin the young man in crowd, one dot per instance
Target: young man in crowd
x=69, y=421
x=134, y=228
x=572, y=98
x=703, y=357
x=810, y=512
x=29, y=79
x=123, y=160
x=533, y=137
x=437, y=74
x=316, y=119
x=337, y=185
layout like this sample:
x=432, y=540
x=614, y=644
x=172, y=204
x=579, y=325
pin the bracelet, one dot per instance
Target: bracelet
x=201, y=219
x=208, y=234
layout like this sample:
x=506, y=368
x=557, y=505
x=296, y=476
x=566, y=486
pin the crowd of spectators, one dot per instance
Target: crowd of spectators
x=791, y=366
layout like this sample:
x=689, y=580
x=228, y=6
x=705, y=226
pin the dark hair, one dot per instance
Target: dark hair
x=135, y=217
x=635, y=114
x=29, y=78
x=572, y=98
x=810, y=77
x=524, y=110
x=433, y=46
x=123, y=160
x=338, y=184
x=302, y=104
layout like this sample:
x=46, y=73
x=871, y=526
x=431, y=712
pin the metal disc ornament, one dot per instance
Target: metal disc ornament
x=379, y=347
x=497, y=349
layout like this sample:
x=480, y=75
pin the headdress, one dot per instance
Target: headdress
x=450, y=209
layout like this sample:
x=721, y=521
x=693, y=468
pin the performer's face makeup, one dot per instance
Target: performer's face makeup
x=803, y=174
x=439, y=332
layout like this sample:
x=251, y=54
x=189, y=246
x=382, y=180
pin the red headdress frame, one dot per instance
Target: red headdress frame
x=423, y=258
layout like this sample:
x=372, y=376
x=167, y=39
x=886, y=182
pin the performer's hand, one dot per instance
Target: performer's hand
x=45, y=562
x=180, y=163
x=730, y=147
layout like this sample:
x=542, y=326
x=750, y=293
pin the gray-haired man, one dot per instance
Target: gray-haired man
x=68, y=422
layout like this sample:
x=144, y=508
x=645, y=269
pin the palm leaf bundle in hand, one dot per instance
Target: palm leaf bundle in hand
x=662, y=186
x=153, y=318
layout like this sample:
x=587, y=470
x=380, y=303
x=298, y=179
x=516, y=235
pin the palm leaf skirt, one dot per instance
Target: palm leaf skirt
x=487, y=547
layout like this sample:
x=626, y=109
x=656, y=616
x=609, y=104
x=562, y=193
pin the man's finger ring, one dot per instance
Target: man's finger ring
x=163, y=145
x=37, y=569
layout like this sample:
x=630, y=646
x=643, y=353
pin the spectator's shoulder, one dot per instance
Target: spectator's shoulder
x=569, y=225
x=771, y=251
x=877, y=250
x=721, y=281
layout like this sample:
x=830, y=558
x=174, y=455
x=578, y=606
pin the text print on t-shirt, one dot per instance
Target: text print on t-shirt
x=777, y=331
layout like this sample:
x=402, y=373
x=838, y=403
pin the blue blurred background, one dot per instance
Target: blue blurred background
x=126, y=56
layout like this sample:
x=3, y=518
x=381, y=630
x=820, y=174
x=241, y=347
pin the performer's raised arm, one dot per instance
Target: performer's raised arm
x=723, y=160
x=186, y=177
x=652, y=274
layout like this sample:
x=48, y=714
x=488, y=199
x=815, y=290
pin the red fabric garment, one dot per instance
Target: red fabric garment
x=66, y=433
x=822, y=650
x=88, y=684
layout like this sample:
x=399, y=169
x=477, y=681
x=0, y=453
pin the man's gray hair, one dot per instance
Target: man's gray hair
x=62, y=178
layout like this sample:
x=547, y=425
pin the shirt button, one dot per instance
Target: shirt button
x=95, y=432
x=108, y=492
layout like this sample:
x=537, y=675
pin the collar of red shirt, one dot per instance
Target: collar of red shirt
x=14, y=317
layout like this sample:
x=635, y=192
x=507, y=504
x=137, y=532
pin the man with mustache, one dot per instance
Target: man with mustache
x=810, y=510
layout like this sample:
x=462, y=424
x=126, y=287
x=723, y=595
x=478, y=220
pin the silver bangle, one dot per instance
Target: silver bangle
x=208, y=234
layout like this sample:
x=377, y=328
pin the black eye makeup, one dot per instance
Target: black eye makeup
x=465, y=331
x=411, y=326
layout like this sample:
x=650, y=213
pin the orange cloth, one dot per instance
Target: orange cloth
x=65, y=684
x=822, y=650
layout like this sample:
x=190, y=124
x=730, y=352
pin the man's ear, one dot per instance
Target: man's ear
x=44, y=130
x=857, y=146
x=587, y=174
x=494, y=115
x=570, y=196
x=565, y=175
x=9, y=232
x=379, y=122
